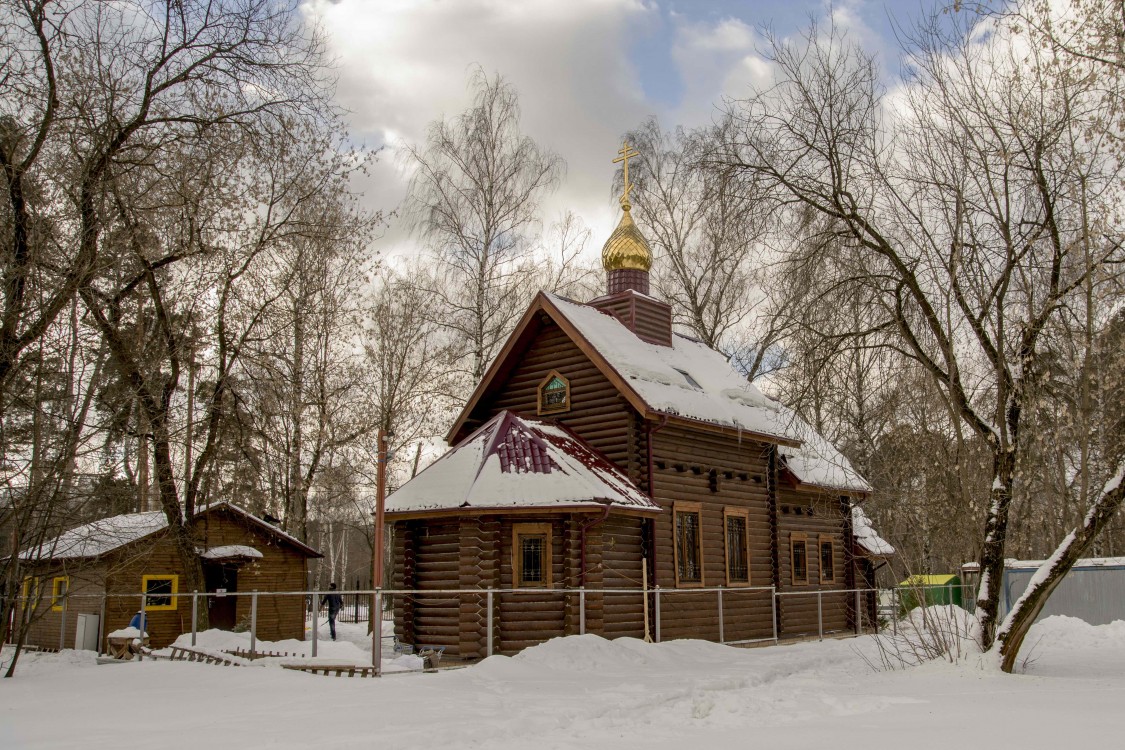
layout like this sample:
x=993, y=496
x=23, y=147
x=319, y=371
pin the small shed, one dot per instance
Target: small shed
x=95, y=573
x=930, y=590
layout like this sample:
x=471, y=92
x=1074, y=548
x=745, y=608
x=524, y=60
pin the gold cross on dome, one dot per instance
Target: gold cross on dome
x=627, y=152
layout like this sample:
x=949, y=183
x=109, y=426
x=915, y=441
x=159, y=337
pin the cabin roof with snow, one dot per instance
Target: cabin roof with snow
x=517, y=462
x=106, y=535
x=684, y=381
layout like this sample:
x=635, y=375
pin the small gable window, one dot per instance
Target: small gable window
x=554, y=394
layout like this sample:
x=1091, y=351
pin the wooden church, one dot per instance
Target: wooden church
x=604, y=451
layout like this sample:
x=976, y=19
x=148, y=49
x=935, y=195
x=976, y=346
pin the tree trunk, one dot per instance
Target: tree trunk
x=1050, y=574
x=995, y=540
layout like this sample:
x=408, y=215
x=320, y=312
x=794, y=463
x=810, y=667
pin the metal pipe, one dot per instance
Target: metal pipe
x=253, y=623
x=101, y=627
x=858, y=615
x=315, y=617
x=143, y=629
x=722, y=635
x=820, y=615
x=582, y=611
x=656, y=612
x=378, y=537
x=377, y=627
x=773, y=611
x=194, y=614
x=488, y=621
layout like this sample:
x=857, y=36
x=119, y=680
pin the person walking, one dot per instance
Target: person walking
x=335, y=603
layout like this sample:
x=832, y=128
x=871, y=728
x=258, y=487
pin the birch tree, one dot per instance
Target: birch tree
x=474, y=200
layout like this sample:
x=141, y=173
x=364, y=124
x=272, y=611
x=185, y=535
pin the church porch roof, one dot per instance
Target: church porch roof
x=516, y=463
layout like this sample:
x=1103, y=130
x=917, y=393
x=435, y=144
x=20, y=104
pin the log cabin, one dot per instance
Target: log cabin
x=603, y=450
x=101, y=568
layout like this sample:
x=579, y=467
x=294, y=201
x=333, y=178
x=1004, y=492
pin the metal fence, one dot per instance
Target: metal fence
x=866, y=610
x=55, y=621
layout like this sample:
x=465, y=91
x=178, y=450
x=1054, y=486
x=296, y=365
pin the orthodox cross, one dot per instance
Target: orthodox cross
x=627, y=152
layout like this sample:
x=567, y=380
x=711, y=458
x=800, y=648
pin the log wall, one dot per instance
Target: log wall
x=684, y=460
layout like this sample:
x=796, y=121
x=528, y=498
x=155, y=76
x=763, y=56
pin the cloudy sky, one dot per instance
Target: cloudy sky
x=586, y=71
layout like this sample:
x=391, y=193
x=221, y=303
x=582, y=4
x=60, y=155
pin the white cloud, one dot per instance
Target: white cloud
x=403, y=64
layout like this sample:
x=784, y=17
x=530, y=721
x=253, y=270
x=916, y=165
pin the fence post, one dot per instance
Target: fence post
x=773, y=612
x=582, y=611
x=143, y=630
x=858, y=615
x=656, y=611
x=820, y=615
x=194, y=614
x=722, y=634
x=62, y=626
x=253, y=623
x=894, y=611
x=488, y=621
x=377, y=633
x=315, y=617
x=101, y=627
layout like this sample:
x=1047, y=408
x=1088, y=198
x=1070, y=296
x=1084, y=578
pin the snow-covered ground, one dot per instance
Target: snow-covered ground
x=590, y=693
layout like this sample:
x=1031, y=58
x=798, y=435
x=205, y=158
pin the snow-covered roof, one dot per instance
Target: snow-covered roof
x=817, y=462
x=227, y=551
x=98, y=537
x=107, y=534
x=691, y=380
x=866, y=537
x=514, y=462
x=687, y=379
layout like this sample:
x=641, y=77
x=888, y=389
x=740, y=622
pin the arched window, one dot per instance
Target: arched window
x=554, y=394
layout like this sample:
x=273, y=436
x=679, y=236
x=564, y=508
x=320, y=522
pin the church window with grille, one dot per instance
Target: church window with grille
x=737, y=522
x=689, y=544
x=531, y=555
x=554, y=394
x=799, y=559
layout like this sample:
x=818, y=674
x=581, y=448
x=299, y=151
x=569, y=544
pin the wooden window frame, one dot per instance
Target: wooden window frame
x=58, y=603
x=822, y=540
x=542, y=408
x=744, y=514
x=794, y=538
x=29, y=591
x=173, y=599
x=533, y=529
x=679, y=507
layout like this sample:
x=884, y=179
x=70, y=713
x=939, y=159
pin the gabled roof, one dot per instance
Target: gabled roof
x=105, y=535
x=518, y=463
x=686, y=382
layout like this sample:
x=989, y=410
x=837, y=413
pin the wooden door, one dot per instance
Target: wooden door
x=221, y=610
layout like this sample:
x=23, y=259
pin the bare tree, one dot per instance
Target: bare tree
x=964, y=215
x=474, y=200
x=707, y=232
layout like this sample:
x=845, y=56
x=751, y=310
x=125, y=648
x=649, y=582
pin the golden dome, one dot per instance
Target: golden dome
x=626, y=248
